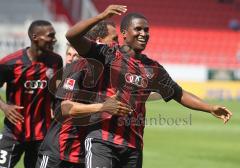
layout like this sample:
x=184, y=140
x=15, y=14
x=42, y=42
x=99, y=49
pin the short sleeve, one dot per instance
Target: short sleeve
x=71, y=86
x=69, y=83
x=167, y=87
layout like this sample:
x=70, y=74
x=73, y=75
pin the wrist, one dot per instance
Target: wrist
x=100, y=17
x=98, y=107
x=211, y=109
x=2, y=104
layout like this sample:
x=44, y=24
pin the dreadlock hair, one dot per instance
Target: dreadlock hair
x=99, y=30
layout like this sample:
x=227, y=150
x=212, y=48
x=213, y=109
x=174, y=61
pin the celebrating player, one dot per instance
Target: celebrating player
x=63, y=146
x=114, y=143
x=28, y=106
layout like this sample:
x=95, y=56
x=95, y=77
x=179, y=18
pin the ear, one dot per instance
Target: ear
x=124, y=33
x=34, y=36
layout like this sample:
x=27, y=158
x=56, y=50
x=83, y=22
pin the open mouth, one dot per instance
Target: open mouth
x=142, y=41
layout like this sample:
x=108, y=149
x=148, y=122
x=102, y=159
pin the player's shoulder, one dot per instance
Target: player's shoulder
x=12, y=57
x=54, y=59
x=145, y=59
x=109, y=51
x=108, y=48
x=151, y=63
x=55, y=55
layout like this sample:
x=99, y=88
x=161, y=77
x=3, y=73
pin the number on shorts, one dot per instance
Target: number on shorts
x=3, y=157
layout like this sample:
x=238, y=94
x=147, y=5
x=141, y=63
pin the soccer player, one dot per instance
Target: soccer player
x=105, y=32
x=63, y=146
x=28, y=106
x=114, y=142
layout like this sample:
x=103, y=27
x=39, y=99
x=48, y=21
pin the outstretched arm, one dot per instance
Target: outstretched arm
x=75, y=35
x=193, y=102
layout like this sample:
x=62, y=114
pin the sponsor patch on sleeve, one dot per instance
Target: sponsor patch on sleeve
x=69, y=84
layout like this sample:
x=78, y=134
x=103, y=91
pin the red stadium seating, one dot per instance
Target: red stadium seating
x=188, y=31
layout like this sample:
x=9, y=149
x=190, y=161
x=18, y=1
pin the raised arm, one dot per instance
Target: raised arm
x=75, y=35
x=193, y=102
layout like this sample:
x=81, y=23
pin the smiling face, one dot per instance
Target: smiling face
x=136, y=34
x=44, y=37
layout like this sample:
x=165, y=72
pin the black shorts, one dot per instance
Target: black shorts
x=45, y=161
x=104, y=154
x=49, y=151
x=12, y=150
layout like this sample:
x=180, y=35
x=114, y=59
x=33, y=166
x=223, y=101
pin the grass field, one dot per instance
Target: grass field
x=207, y=142
x=176, y=137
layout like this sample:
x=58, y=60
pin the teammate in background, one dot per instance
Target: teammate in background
x=63, y=146
x=71, y=54
x=105, y=32
x=28, y=106
x=118, y=141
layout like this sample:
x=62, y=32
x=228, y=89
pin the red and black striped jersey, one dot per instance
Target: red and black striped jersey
x=64, y=141
x=66, y=136
x=133, y=78
x=27, y=85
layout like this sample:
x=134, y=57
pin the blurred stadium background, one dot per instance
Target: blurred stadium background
x=197, y=41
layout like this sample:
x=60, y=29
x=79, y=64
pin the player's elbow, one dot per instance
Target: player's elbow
x=69, y=35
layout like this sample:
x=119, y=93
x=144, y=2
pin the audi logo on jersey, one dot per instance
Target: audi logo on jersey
x=136, y=80
x=35, y=84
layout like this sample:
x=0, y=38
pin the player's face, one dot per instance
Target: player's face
x=111, y=37
x=137, y=34
x=45, y=38
x=71, y=55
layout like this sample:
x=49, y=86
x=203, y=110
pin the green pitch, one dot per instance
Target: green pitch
x=202, y=142
x=176, y=137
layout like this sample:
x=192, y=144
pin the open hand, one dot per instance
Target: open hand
x=221, y=112
x=112, y=10
x=12, y=113
x=115, y=107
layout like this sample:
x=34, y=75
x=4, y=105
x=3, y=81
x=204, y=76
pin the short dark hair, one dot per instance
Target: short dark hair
x=37, y=23
x=128, y=18
x=99, y=30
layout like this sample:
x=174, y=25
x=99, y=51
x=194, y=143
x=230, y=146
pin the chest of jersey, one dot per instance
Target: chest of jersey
x=32, y=77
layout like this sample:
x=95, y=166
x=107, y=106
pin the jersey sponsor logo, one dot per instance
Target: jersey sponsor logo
x=136, y=80
x=35, y=84
x=69, y=84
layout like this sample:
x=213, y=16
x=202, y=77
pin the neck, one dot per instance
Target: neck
x=138, y=56
x=136, y=52
x=33, y=53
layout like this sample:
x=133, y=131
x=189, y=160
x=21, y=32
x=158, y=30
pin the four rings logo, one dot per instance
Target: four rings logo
x=136, y=80
x=35, y=84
